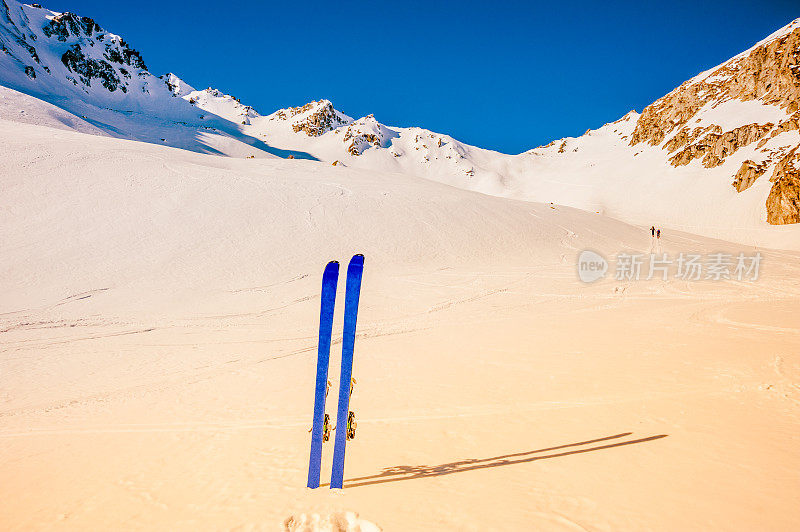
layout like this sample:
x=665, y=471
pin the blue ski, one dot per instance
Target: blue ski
x=353, y=290
x=329, y=280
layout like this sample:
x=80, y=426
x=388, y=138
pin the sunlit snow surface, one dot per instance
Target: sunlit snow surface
x=159, y=307
x=158, y=318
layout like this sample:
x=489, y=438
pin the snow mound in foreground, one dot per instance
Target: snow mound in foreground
x=337, y=522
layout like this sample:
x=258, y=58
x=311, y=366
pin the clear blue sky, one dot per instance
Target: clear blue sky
x=502, y=75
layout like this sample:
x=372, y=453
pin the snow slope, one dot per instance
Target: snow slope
x=158, y=317
x=104, y=86
x=601, y=172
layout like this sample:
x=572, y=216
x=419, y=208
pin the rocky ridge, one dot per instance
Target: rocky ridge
x=365, y=132
x=90, y=55
x=314, y=118
x=768, y=73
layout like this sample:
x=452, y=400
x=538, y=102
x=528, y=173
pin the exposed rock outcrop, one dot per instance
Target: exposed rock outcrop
x=66, y=25
x=769, y=73
x=88, y=69
x=363, y=133
x=87, y=52
x=715, y=145
x=790, y=124
x=176, y=85
x=747, y=174
x=5, y=14
x=783, y=202
x=686, y=136
x=318, y=117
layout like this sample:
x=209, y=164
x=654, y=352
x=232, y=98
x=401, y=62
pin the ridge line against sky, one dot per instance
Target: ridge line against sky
x=507, y=76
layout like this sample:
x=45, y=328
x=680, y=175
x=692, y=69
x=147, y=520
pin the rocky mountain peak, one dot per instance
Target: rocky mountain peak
x=761, y=87
x=34, y=39
x=176, y=85
x=314, y=118
x=768, y=72
x=366, y=132
x=65, y=25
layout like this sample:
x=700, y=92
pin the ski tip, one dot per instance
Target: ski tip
x=357, y=259
x=331, y=271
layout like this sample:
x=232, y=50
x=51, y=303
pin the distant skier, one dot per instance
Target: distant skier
x=652, y=238
x=658, y=233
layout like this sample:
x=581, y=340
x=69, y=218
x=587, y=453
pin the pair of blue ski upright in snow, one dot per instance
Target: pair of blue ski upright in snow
x=352, y=291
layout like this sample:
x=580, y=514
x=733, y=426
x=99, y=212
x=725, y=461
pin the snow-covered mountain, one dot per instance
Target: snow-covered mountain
x=716, y=156
x=720, y=150
x=329, y=135
x=70, y=62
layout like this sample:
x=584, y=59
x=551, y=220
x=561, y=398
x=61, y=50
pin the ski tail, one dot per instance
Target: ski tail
x=330, y=279
x=352, y=293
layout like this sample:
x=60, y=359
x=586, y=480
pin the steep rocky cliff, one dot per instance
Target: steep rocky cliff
x=52, y=45
x=783, y=202
x=684, y=122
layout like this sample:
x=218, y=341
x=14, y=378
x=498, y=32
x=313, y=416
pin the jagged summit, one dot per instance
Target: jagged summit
x=366, y=132
x=314, y=118
x=777, y=34
x=176, y=85
x=56, y=47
